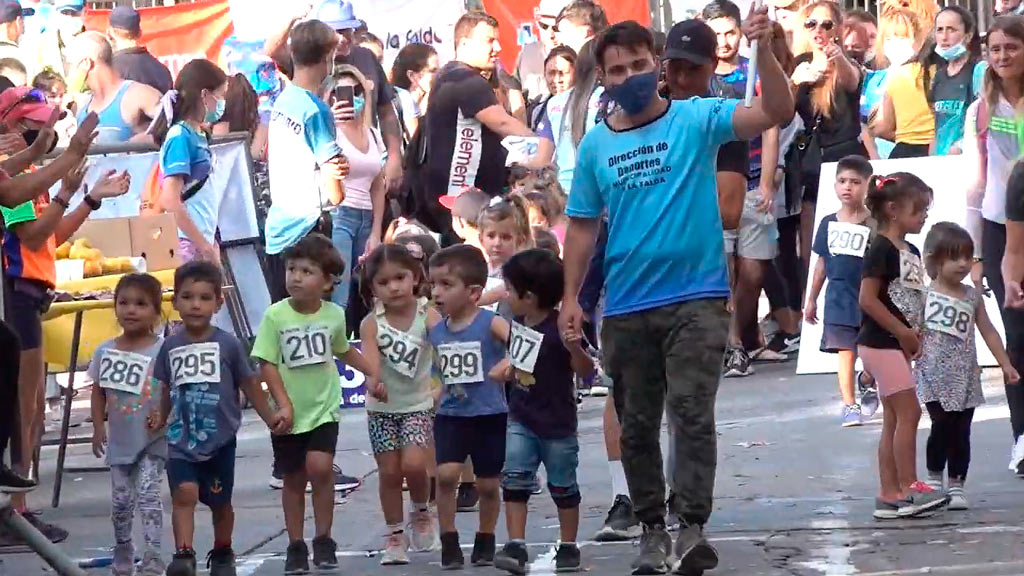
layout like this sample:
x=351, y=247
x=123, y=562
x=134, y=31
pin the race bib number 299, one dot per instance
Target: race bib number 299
x=195, y=364
x=461, y=363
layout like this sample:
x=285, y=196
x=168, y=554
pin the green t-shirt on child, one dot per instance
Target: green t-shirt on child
x=303, y=346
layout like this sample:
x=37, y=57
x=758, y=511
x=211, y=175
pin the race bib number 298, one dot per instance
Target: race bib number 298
x=948, y=315
x=195, y=364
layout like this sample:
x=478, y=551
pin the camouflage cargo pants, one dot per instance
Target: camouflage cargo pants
x=669, y=360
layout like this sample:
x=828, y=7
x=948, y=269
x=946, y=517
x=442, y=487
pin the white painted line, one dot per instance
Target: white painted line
x=543, y=565
x=983, y=568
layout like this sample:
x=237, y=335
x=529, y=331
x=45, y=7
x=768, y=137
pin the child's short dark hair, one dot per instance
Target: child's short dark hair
x=538, y=272
x=466, y=262
x=317, y=248
x=946, y=241
x=148, y=285
x=311, y=41
x=857, y=164
x=199, y=271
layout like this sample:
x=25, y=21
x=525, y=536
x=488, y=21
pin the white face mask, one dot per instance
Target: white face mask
x=898, y=51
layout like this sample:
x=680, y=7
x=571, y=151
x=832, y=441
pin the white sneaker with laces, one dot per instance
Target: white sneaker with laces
x=424, y=536
x=957, y=500
x=1017, y=455
x=395, y=551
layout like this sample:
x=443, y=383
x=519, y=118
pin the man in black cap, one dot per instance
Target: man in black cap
x=131, y=60
x=12, y=27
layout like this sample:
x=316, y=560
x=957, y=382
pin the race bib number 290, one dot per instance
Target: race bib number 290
x=461, y=363
x=847, y=238
x=123, y=371
x=948, y=315
x=195, y=364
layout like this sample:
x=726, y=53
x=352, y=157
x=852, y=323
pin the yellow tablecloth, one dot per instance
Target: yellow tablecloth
x=98, y=321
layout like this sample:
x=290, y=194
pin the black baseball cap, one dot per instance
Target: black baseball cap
x=126, y=18
x=691, y=40
x=10, y=10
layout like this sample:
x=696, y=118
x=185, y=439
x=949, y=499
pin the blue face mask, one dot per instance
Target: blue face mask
x=635, y=93
x=358, y=103
x=952, y=53
x=218, y=113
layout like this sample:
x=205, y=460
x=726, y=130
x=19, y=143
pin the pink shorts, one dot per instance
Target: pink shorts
x=890, y=369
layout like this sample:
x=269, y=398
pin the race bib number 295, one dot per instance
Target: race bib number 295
x=195, y=364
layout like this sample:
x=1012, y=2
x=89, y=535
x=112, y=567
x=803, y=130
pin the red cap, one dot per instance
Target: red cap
x=23, y=103
x=448, y=200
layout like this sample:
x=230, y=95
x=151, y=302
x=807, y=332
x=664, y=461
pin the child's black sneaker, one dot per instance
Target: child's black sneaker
x=12, y=483
x=451, y=553
x=483, y=550
x=296, y=559
x=567, y=558
x=325, y=553
x=512, y=558
x=221, y=561
x=183, y=563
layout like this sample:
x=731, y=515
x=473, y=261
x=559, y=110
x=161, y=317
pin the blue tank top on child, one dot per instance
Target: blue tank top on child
x=464, y=358
x=112, y=127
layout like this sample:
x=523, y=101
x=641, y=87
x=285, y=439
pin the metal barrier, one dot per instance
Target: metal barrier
x=49, y=552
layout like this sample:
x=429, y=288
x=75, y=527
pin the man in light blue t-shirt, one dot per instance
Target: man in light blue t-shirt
x=305, y=163
x=650, y=167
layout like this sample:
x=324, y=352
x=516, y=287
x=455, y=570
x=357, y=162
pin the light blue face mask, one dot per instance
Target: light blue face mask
x=358, y=103
x=218, y=113
x=952, y=53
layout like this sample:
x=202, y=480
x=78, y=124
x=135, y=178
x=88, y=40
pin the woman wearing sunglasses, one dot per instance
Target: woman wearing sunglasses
x=828, y=88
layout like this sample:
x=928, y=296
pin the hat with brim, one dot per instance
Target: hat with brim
x=70, y=6
x=691, y=40
x=10, y=11
x=338, y=14
x=23, y=103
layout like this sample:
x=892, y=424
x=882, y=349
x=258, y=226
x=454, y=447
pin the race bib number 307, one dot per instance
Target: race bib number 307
x=461, y=363
x=401, y=351
x=524, y=347
x=123, y=371
x=195, y=364
x=948, y=315
x=305, y=345
x=847, y=238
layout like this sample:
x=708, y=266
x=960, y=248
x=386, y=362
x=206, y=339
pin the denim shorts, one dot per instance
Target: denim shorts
x=525, y=452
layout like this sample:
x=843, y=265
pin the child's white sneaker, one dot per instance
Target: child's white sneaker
x=424, y=535
x=395, y=551
x=957, y=500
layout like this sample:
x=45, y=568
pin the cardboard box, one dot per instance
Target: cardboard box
x=154, y=238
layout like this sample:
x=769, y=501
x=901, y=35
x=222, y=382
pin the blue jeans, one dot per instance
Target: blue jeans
x=525, y=452
x=351, y=230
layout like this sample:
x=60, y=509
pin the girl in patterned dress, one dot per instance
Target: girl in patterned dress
x=947, y=372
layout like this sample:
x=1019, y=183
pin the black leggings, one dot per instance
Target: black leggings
x=785, y=284
x=993, y=246
x=904, y=150
x=10, y=359
x=949, y=443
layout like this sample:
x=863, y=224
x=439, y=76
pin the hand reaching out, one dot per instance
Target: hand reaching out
x=112, y=185
x=84, y=136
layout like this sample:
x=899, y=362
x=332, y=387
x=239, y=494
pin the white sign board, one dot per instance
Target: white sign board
x=401, y=22
x=949, y=177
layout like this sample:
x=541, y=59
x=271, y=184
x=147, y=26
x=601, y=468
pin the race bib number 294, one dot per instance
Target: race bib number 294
x=195, y=364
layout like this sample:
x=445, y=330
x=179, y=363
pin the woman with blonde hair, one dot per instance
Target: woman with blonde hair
x=828, y=88
x=358, y=220
x=912, y=125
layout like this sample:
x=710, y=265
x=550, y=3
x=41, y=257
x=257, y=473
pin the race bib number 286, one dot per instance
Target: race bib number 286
x=195, y=364
x=123, y=371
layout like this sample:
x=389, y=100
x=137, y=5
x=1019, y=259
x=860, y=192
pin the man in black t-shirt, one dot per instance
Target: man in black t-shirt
x=338, y=15
x=132, y=61
x=466, y=123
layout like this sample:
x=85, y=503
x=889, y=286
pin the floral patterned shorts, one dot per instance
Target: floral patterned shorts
x=392, y=432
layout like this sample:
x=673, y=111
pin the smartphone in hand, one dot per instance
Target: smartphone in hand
x=345, y=94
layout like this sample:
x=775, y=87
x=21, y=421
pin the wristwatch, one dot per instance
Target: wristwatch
x=61, y=202
x=91, y=202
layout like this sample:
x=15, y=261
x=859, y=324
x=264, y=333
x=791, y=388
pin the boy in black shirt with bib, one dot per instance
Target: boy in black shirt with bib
x=542, y=406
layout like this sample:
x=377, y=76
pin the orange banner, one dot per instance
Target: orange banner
x=178, y=34
x=512, y=15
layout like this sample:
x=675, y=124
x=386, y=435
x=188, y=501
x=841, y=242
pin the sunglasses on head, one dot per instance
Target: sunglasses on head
x=30, y=96
x=826, y=25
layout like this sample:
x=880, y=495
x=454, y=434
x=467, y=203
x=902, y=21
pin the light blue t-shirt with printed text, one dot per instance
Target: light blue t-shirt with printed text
x=301, y=138
x=657, y=183
x=186, y=153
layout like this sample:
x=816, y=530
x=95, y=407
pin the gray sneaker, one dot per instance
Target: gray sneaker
x=693, y=553
x=885, y=510
x=922, y=500
x=152, y=564
x=851, y=416
x=621, y=523
x=124, y=560
x=655, y=547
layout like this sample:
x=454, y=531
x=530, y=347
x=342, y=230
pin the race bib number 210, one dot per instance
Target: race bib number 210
x=195, y=364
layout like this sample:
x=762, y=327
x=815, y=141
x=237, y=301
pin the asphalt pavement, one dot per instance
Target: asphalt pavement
x=794, y=496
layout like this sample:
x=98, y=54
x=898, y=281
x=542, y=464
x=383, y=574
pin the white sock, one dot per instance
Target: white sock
x=395, y=529
x=619, y=485
x=419, y=507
